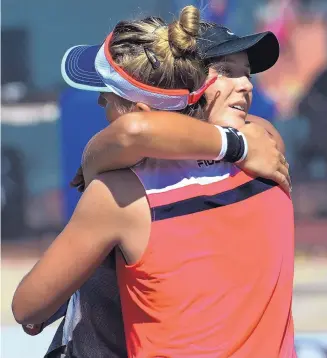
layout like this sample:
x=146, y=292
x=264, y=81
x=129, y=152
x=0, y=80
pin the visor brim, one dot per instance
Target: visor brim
x=78, y=68
x=262, y=49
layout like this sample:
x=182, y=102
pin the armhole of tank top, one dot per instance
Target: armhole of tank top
x=140, y=180
x=120, y=249
x=138, y=163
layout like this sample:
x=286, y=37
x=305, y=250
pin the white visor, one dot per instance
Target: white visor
x=92, y=68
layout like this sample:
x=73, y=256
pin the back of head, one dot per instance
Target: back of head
x=161, y=55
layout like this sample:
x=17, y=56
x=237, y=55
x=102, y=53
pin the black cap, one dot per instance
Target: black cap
x=262, y=48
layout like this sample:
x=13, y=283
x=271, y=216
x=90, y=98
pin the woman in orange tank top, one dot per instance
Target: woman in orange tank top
x=116, y=208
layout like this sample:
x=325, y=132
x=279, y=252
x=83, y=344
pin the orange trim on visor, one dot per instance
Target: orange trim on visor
x=192, y=97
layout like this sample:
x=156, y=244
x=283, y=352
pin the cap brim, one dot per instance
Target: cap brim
x=78, y=68
x=262, y=49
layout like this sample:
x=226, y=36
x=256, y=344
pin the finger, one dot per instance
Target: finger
x=75, y=183
x=284, y=170
x=77, y=180
x=282, y=159
x=78, y=176
x=272, y=140
x=281, y=179
x=72, y=184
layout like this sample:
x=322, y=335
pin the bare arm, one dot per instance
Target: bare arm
x=169, y=135
x=270, y=129
x=94, y=229
x=163, y=135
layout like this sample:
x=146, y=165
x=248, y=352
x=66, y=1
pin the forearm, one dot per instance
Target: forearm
x=27, y=309
x=175, y=137
x=49, y=285
x=162, y=135
x=33, y=329
x=94, y=229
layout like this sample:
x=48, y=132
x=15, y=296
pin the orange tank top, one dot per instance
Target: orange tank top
x=216, y=278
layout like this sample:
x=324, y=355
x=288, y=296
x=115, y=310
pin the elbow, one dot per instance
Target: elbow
x=24, y=318
x=21, y=312
x=132, y=129
x=20, y=315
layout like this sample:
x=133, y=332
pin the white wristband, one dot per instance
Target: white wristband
x=246, y=148
x=223, y=149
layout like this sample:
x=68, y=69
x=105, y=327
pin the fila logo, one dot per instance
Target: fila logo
x=206, y=163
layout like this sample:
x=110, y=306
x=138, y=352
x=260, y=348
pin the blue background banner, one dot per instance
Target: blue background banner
x=81, y=118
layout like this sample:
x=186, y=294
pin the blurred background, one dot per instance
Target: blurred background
x=45, y=127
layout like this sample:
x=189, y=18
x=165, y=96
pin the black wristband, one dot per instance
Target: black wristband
x=235, y=145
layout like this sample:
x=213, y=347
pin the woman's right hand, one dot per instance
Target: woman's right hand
x=263, y=158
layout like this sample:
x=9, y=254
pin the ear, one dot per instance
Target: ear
x=102, y=101
x=212, y=72
x=142, y=107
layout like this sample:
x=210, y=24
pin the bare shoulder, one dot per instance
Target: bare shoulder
x=270, y=129
x=111, y=198
x=123, y=185
x=128, y=196
x=259, y=120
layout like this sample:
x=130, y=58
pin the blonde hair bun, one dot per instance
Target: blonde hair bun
x=182, y=33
